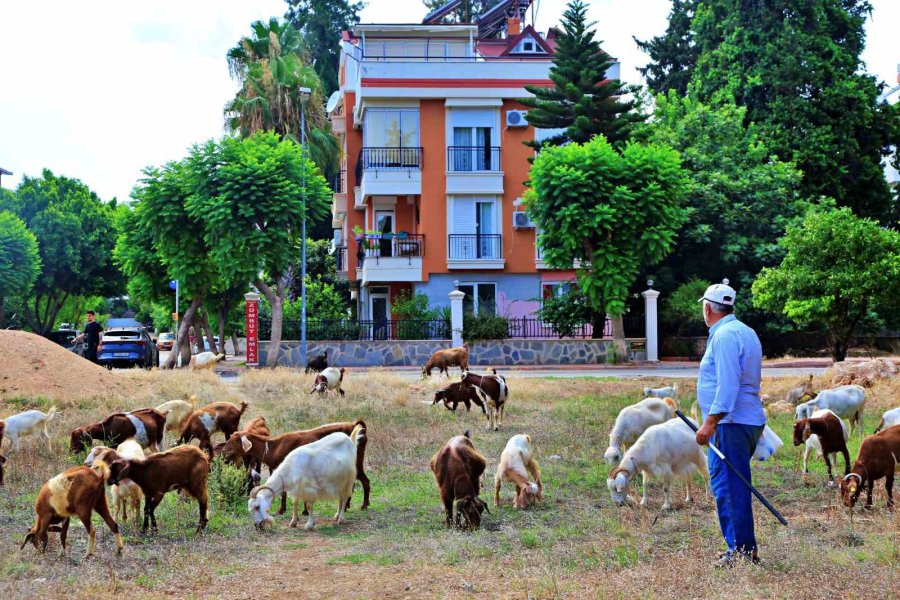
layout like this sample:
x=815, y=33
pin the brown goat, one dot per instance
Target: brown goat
x=145, y=425
x=181, y=468
x=458, y=468
x=455, y=393
x=271, y=451
x=830, y=431
x=444, y=359
x=203, y=423
x=879, y=456
x=493, y=391
x=77, y=492
x=257, y=426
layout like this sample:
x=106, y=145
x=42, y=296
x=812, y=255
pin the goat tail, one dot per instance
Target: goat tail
x=193, y=400
x=880, y=425
x=244, y=405
x=359, y=433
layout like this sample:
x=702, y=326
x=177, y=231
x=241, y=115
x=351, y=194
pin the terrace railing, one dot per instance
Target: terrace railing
x=390, y=158
x=475, y=246
x=400, y=245
x=473, y=158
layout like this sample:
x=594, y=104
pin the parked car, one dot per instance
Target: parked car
x=165, y=341
x=65, y=337
x=206, y=343
x=131, y=347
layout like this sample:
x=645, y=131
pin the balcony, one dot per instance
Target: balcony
x=475, y=251
x=392, y=171
x=474, y=170
x=340, y=258
x=392, y=258
x=339, y=200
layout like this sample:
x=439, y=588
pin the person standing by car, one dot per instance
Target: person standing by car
x=92, y=332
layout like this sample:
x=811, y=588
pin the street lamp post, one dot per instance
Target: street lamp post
x=305, y=94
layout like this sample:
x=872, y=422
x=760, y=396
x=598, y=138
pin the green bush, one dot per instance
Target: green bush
x=485, y=327
x=681, y=310
x=413, y=311
x=227, y=485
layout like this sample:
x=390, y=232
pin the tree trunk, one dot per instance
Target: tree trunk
x=179, y=346
x=223, y=314
x=618, y=334
x=207, y=329
x=276, y=303
x=598, y=324
x=235, y=343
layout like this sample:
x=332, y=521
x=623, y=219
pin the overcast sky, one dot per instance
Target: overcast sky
x=101, y=89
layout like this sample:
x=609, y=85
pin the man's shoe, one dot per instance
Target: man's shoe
x=726, y=560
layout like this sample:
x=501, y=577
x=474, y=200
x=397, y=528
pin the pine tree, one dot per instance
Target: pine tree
x=583, y=101
x=674, y=53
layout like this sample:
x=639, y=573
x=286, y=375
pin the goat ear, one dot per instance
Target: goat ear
x=246, y=444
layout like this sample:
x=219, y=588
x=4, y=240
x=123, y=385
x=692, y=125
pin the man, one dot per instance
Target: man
x=728, y=395
x=91, y=335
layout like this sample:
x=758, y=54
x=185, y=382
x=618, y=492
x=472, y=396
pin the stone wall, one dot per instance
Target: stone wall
x=416, y=353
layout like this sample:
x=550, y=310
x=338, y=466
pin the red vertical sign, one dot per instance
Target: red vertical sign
x=252, y=318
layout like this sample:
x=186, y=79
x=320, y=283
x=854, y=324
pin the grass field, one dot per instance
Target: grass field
x=575, y=544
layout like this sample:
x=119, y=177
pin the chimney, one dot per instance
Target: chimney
x=513, y=27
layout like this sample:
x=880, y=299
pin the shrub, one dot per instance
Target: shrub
x=485, y=327
x=227, y=485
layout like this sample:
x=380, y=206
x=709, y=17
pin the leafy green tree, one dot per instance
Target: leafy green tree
x=570, y=310
x=613, y=211
x=253, y=195
x=582, y=101
x=740, y=199
x=321, y=264
x=20, y=262
x=272, y=65
x=838, y=270
x=75, y=234
x=321, y=22
x=467, y=12
x=680, y=309
x=674, y=54
x=796, y=66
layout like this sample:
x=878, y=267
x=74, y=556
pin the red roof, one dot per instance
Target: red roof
x=497, y=48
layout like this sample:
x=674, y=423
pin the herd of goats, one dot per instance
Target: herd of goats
x=324, y=463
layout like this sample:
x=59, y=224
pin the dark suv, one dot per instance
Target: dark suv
x=127, y=347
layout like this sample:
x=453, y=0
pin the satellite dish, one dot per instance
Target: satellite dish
x=334, y=101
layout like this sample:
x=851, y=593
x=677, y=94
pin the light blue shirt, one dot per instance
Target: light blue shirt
x=730, y=374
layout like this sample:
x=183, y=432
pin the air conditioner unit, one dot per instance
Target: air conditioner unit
x=516, y=118
x=521, y=221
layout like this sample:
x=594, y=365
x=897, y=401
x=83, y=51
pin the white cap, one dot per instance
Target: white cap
x=720, y=292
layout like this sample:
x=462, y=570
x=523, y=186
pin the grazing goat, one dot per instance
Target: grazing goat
x=633, y=421
x=329, y=379
x=183, y=468
x=126, y=491
x=145, y=425
x=317, y=364
x=666, y=451
x=455, y=393
x=256, y=426
x=177, y=412
x=825, y=433
x=663, y=392
x=767, y=445
x=493, y=391
x=458, y=468
x=271, y=451
x=205, y=360
x=803, y=389
x=76, y=492
x=203, y=423
x=516, y=464
x=27, y=423
x=879, y=456
x=322, y=470
x=889, y=419
x=444, y=359
x=847, y=402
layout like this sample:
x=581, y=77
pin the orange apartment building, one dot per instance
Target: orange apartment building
x=434, y=167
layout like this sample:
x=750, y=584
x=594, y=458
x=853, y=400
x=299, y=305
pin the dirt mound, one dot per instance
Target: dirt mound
x=864, y=373
x=32, y=366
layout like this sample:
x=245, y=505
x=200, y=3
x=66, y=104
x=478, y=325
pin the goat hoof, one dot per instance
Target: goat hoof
x=308, y=527
x=666, y=507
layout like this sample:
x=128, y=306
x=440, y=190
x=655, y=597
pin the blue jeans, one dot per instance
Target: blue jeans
x=733, y=498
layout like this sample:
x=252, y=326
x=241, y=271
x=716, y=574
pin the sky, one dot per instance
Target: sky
x=104, y=88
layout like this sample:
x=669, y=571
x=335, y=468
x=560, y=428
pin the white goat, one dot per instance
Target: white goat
x=768, y=444
x=329, y=378
x=322, y=470
x=813, y=443
x=889, y=419
x=27, y=423
x=516, y=464
x=847, y=402
x=177, y=412
x=663, y=392
x=126, y=491
x=633, y=421
x=205, y=360
x=666, y=451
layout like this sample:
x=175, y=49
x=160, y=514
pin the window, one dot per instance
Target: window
x=471, y=150
x=528, y=45
x=480, y=299
x=392, y=128
x=555, y=289
x=475, y=229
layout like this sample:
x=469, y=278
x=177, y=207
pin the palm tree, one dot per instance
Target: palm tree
x=272, y=64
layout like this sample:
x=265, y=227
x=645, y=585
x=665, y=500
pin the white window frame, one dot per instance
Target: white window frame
x=475, y=285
